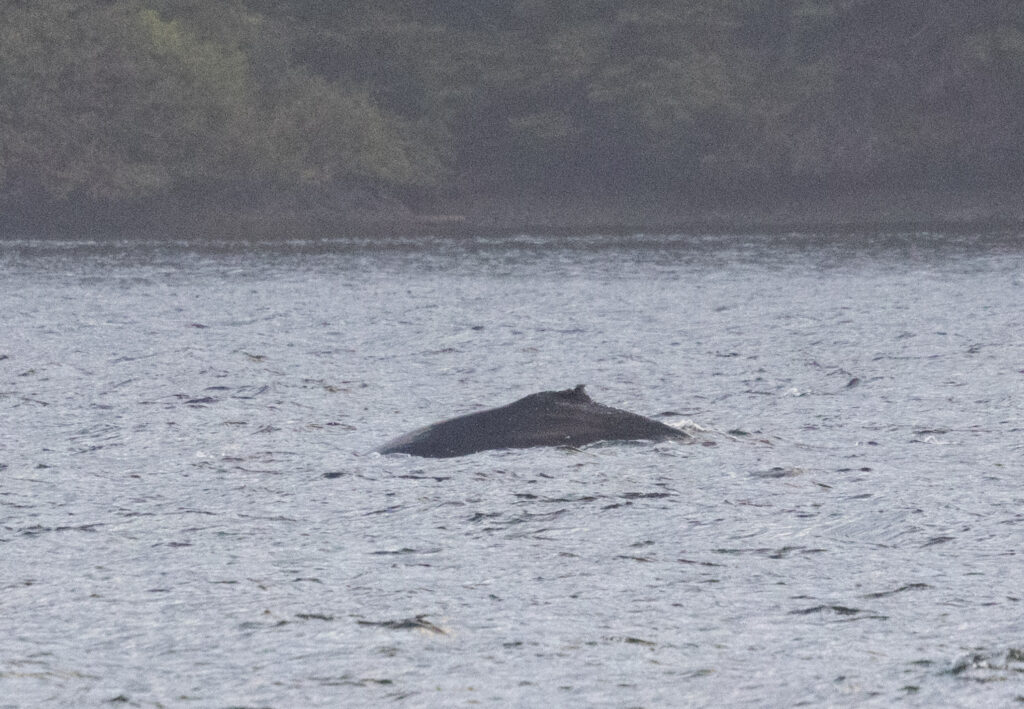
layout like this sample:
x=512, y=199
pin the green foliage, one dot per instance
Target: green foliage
x=65, y=106
x=119, y=100
x=116, y=101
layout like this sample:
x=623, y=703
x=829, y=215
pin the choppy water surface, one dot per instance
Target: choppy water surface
x=191, y=513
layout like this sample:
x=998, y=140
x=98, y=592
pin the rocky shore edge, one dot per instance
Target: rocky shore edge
x=570, y=215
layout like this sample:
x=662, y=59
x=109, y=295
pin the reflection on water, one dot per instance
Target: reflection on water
x=190, y=511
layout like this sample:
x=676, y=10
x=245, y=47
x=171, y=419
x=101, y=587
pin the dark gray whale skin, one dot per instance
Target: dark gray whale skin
x=548, y=418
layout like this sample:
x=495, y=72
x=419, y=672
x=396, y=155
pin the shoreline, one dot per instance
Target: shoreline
x=570, y=216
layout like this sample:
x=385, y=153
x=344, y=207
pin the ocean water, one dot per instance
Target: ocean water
x=192, y=512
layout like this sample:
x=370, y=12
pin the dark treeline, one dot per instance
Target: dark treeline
x=118, y=104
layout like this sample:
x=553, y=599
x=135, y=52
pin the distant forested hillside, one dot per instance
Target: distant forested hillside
x=122, y=103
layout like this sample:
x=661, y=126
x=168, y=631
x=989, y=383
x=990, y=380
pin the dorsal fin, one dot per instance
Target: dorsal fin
x=575, y=394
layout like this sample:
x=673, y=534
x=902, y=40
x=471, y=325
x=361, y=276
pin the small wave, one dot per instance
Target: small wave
x=932, y=440
x=982, y=666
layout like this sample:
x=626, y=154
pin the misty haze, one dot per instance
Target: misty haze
x=467, y=353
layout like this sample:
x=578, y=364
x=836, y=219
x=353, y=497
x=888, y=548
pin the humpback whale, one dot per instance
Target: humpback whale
x=547, y=418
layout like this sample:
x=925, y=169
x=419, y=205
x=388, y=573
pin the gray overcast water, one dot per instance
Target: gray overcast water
x=191, y=513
